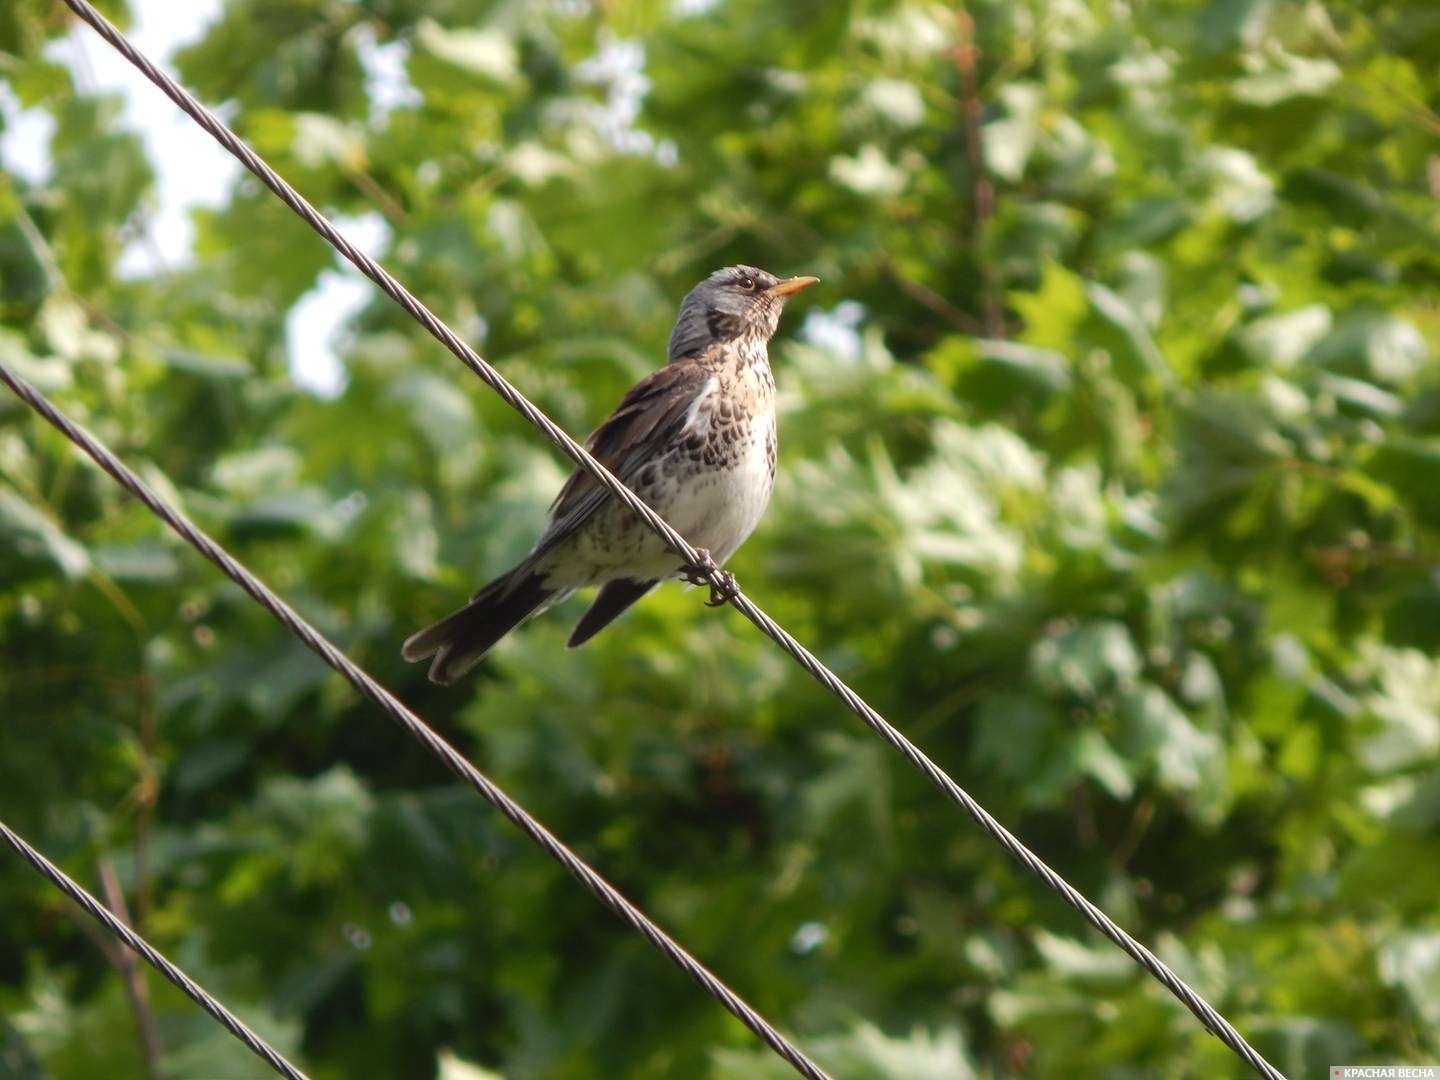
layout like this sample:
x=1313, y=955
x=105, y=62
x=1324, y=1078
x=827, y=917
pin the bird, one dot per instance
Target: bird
x=695, y=440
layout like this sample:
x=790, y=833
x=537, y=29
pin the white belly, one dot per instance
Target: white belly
x=718, y=510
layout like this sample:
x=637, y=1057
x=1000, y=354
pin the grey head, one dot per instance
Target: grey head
x=736, y=302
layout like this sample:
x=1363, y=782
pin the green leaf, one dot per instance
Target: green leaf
x=35, y=535
x=1277, y=76
x=1383, y=347
x=1009, y=141
x=869, y=173
x=148, y=561
x=1139, y=348
x=1406, y=708
x=488, y=53
x=1280, y=341
x=1154, y=728
x=1411, y=963
x=1095, y=758
x=1085, y=660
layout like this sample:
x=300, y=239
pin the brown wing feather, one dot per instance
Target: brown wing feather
x=643, y=421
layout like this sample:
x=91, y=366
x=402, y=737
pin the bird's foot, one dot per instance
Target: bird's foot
x=722, y=584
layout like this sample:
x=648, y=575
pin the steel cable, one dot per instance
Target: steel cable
x=193, y=990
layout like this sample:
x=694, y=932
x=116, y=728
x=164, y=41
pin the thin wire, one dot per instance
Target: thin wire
x=193, y=990
x=1208, y=1016
x=258, y=591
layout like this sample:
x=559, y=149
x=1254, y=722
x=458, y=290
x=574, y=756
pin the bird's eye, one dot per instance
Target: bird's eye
x=747, y=283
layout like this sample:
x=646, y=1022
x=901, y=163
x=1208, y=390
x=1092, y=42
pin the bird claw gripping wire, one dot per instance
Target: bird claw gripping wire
x=722, y=584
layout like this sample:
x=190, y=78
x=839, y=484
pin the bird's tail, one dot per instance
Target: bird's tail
x=459, y=640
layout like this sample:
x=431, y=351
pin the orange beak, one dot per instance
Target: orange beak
x=791, y=285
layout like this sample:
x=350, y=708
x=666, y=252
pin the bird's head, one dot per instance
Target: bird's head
x=736, y=302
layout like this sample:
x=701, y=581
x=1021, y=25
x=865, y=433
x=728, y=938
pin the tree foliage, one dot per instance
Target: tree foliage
x=1110, y=472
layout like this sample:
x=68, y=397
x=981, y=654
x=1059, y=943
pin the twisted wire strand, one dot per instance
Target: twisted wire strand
x=258, y=591
x=193, y=990
x=1207, y=1015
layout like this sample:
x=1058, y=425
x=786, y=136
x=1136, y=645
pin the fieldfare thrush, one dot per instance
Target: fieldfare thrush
x=695, y=440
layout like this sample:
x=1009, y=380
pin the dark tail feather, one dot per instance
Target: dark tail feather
x=610, y=601
x=459, y=640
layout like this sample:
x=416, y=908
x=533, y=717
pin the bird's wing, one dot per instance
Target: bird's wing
x=642, y=425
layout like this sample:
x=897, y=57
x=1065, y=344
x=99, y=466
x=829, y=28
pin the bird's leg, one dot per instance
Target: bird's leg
x=723, y=588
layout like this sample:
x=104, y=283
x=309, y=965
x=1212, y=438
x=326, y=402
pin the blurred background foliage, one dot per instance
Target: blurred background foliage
x=1110, y=472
